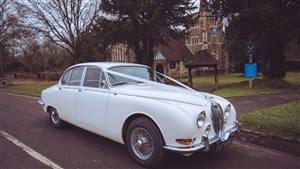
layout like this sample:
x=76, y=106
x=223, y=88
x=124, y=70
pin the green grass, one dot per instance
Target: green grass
x=235, y=84
x=260, y=86
x=281, y=120
x=33, y=88
x=246, y=91
x=293, y=77
x=223, y=79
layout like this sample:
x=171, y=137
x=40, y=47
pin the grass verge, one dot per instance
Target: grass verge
x=293, y=78
x=280, y=120
x=28, y=87
x=260, y=86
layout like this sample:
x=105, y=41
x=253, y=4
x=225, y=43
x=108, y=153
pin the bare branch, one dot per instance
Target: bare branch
x=62, y=21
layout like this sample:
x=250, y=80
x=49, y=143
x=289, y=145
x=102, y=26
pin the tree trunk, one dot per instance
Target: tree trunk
x=138, y=50
x=149, y=58
x=144, y=52
x=76, y=55
x=2, y=69
x=3, y=66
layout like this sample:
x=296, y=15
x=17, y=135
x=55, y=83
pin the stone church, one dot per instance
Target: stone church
x=205, y=34
x=208, y=34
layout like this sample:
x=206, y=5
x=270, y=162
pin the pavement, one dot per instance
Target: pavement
x=72, y=147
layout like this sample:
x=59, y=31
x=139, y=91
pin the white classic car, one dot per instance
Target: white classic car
x=146, y=110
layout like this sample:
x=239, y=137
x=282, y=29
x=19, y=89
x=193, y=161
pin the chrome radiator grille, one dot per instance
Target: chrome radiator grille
x=217, y=118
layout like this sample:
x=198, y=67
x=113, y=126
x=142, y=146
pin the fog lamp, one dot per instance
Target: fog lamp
x=207, y=130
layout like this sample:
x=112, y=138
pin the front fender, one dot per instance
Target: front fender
x=172, y=121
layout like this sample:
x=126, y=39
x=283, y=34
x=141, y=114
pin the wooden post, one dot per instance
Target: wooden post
x=250, y=83
x=190, y=76
x=216, y=75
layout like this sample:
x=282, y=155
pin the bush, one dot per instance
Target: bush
x=49, y=76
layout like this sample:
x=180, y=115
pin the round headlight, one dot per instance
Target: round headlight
x=227, y=112
x=228, y=108
x=201, y=119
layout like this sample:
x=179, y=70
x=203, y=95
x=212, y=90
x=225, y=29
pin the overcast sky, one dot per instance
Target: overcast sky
x=197, y=2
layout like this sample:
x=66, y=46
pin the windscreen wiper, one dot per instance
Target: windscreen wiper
x=123, y=82
x=120, y=83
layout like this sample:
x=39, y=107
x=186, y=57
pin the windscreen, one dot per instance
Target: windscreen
x=124, y=75
x=136, y=71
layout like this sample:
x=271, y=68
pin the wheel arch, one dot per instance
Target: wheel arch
x=133, y=117
x=49, y=108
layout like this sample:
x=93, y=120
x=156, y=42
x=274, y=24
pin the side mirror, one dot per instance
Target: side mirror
x=103, y=84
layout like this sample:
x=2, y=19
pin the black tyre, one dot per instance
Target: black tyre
x=54, y=118
x=145, y=142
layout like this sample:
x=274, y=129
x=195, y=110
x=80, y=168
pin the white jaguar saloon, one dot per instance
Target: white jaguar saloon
x=147, y=111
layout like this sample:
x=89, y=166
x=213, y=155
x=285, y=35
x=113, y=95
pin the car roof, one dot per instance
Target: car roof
x=107, y=65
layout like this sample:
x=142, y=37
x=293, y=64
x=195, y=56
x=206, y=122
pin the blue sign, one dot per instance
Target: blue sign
x=250, y=70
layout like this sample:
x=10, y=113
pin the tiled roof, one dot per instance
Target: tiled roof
x=175, y=50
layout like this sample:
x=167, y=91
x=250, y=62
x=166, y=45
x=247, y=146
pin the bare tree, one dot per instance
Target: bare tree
x=3, y=27
x=7, y=25
x=62, y=21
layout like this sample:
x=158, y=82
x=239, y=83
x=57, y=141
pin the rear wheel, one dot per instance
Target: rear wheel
x=54, y=118
x=145, y=142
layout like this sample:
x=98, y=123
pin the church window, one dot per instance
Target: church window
x=172, y=65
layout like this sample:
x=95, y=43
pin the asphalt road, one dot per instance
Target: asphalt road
x=72, y=147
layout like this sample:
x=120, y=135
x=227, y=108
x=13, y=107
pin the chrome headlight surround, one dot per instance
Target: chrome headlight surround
x=201, y=119
x=227, y=112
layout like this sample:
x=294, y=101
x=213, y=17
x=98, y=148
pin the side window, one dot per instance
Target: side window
x=92, y=77
x=64, y=80
x=76, y=76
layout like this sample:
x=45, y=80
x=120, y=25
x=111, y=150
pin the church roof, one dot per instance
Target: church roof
x=175, y=50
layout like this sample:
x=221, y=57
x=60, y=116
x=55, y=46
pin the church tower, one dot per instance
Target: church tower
x=203, y=6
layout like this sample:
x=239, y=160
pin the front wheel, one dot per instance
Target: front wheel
x=54, y=118
x=145, y=142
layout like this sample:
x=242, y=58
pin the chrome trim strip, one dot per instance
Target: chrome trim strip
x=40, y=102
x=203, y=145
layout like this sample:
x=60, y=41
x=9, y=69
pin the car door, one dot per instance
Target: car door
x=68, y=89
x=91, y=102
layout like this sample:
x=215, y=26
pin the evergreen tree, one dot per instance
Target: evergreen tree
x=143, y=24
x=269, y=24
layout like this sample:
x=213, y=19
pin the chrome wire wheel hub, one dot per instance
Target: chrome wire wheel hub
x=54, y=116
x=141, y=143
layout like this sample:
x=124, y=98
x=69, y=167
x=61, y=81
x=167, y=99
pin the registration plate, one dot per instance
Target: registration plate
x=222, y=145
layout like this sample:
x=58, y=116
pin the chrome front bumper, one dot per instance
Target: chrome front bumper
x=205, y=143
